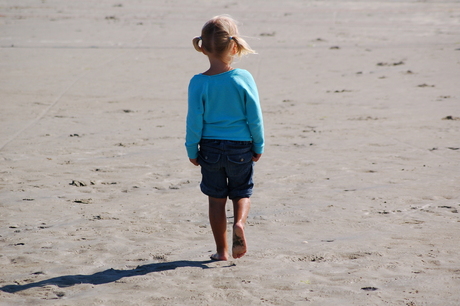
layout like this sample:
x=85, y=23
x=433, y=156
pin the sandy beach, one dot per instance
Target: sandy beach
x=357, y=195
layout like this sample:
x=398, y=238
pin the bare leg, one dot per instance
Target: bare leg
x=240, y=210
x=218, y=220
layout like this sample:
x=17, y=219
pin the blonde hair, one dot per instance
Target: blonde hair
x=219, y=35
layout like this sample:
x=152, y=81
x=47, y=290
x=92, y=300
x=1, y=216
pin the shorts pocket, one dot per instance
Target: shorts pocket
x=208, y=160
x=240, y=166
x=240, y=158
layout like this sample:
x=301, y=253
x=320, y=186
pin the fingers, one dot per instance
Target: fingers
x=256, y=157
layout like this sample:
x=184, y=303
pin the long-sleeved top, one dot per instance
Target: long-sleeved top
x=224, y=106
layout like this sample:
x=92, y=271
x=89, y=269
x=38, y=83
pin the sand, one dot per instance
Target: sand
x=357, y=195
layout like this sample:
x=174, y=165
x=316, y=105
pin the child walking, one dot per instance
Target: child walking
x=225, y=133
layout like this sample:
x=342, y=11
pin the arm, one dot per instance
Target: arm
x=255, y=118
x=194, y=122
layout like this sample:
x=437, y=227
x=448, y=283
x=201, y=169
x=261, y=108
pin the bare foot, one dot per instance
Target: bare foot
x=239, y=242
x=218, y=257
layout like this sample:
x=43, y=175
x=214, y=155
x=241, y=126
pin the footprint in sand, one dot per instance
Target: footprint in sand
x=451, y=118
x=425, y=85
x=83, y=201
x=369, y=288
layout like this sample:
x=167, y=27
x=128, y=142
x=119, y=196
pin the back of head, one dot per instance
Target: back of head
x=219, y=35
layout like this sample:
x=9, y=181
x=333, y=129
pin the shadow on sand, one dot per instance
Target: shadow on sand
x=107, y=276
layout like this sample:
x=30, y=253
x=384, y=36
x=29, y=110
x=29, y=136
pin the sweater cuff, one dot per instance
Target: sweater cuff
x=192, y=152
x=258, y=149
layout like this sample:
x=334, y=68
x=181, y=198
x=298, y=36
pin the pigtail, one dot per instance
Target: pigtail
x=196, y=43
x=242, y=47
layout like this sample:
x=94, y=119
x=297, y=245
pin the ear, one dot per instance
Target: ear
x=234, y=49
x=203, y=50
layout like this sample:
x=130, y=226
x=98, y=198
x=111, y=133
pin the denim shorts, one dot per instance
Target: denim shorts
x=226, y=168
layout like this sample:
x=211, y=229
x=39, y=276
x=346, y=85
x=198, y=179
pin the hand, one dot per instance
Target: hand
x=256, y=157
x=194, y=161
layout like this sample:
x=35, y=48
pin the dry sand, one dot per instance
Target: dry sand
x=357, y=195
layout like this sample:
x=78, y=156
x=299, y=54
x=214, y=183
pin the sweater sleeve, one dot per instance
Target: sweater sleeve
x=195, y=113
x=254, y=116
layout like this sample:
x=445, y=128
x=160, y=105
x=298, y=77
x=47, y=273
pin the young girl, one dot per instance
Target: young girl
x=225, y=133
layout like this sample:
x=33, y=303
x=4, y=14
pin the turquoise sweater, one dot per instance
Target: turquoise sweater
x=224, y=106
